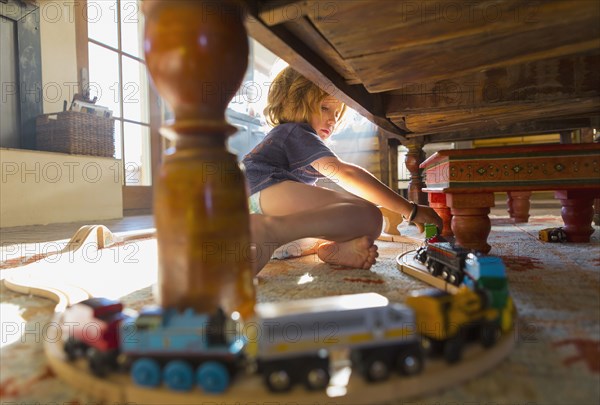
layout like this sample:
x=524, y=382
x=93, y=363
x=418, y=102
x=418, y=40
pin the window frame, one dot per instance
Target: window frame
x=137, y=199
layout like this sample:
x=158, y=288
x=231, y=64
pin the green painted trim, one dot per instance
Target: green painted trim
x=551, y=183
x=529, y=155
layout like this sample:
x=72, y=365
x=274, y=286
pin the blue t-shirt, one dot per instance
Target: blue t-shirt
x=286, y=153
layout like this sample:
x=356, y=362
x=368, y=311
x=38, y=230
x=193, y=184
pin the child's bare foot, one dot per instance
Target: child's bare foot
x=357, y=253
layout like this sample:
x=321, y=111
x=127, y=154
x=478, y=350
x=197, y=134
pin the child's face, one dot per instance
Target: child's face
x=324, y=123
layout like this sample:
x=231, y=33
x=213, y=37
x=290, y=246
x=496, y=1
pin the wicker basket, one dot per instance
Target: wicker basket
x=76, y=133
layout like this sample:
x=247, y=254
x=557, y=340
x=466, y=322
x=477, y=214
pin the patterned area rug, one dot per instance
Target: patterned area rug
x=556, y=288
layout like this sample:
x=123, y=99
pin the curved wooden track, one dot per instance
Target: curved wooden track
x=407, y=264
x=344, y=389
x=40, y=277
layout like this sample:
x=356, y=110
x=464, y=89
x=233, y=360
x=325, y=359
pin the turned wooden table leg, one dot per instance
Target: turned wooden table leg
x=470, y=219
x=577, y=213
x=518, y=205
x=197, y=53
x=414, y=157
x=437, y=201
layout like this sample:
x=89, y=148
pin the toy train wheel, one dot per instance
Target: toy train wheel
x=146, y=372
x=317, y=378
x=490, y=333
x=178, y=375
x=376, y=369
x=434, y=268
x=453, y=348
x=451, y=276
x=212, y=377
x=98, y=362
x=72, y=348
x=278, y=380
x=459, y=278
x=409, y=363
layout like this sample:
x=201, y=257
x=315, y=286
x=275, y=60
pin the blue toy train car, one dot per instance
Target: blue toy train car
x=181, y=349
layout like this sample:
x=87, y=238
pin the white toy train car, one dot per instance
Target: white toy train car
x=294, y=339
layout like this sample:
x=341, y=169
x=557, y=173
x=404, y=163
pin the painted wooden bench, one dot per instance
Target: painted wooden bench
x=461, y=186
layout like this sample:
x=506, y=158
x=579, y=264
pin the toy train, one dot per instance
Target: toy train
x=286, y=343
x=557, y=235
x=453, y=263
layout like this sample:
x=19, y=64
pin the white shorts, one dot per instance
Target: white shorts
x=254, y=203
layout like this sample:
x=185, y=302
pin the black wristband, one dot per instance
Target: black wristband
x=413, y=213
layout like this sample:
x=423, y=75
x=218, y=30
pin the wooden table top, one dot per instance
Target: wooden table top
x=435, y=71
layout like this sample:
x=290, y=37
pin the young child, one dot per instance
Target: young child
x=282, y=171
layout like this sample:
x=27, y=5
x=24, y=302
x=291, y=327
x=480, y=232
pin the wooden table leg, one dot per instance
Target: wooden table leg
x=470, y=221
x=518, y=205
x=577, y=213
x=437, y=201
x=197, y=53
x=414, y=157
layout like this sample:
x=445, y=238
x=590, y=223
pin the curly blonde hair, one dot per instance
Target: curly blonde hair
x=294, y=98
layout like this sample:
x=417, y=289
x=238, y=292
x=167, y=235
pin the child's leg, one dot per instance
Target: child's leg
x=294, y=210
x=351, y=216
x=300, y=247
x=270, y=232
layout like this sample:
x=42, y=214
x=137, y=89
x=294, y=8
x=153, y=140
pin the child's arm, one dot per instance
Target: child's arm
x=360, y=182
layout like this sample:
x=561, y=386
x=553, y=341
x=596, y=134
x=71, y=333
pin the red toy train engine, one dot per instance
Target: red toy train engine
x=93, y=331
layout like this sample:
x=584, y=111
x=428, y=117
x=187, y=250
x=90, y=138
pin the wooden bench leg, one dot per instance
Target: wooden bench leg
x=470, y=219
x=577, y=213
x=437, y=201
x=518, y=205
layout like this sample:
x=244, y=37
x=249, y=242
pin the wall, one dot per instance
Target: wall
x=43, y=188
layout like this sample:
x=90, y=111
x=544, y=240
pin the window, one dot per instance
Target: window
x=117, y=77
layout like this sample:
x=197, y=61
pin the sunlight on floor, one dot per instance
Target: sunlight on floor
x=12, y=324
x=339, y=382
x=305, y=279
x=72, y=276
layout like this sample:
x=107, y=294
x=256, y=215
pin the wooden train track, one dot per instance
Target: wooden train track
x=345, y=387
x=407, y=264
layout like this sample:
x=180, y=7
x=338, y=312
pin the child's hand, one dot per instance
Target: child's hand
x=426, y=215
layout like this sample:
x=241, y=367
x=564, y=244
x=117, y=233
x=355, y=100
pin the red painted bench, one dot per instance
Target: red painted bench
x=461, y=186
